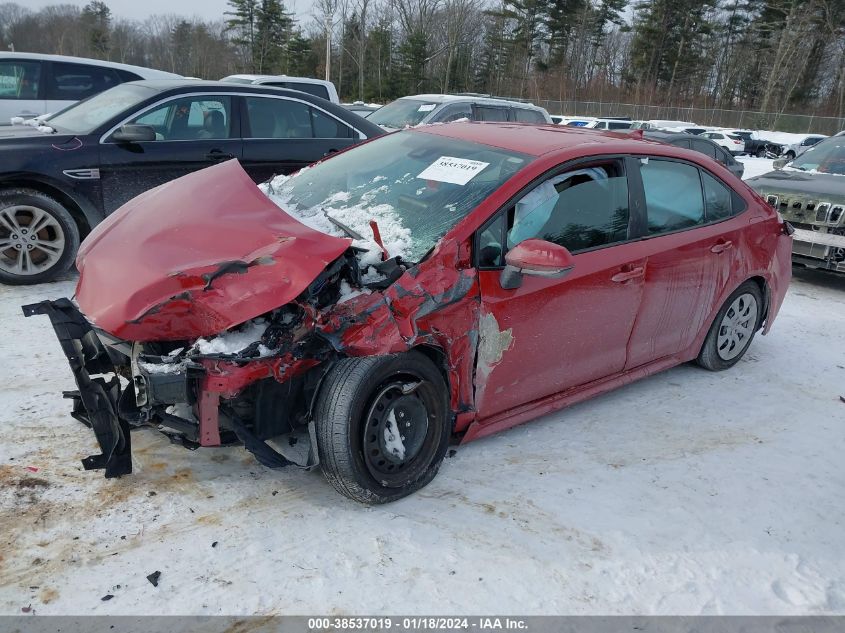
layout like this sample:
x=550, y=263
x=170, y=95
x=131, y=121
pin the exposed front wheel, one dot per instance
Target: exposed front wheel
x=383, y=425
x=789, y=155
x=38, y=237
x=761, y=152
x=733, y=328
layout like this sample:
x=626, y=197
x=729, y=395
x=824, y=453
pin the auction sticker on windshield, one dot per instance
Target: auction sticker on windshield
x=458, y=171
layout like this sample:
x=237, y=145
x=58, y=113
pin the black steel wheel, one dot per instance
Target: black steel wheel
x=383, y=425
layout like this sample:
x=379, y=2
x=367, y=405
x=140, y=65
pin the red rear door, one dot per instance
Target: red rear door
x=692, y=248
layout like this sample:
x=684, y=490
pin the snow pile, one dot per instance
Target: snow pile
x=755, y=166
x=347, y=292
x=357, y=216
x=235, y=340
x=162, y=368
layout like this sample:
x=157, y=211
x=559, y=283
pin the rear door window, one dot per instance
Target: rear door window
x=19, y=79
x=673, y=195
x=72, y=82
x=288, y=118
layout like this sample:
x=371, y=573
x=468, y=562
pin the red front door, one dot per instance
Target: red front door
x=550, y=335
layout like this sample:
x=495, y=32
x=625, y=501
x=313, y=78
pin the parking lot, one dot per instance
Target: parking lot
x=688, y=492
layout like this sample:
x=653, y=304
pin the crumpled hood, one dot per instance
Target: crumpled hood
x=789, y=181
x=197, y=256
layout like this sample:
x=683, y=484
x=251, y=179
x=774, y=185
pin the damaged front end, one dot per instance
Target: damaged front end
x=215, y=390
x=197, y=310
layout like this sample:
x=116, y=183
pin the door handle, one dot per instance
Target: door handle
x=627, y=275
x=217, y=154
x=721, y=247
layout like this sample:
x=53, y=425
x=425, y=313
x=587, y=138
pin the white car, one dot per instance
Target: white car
x=734, y=143
x=595, y=123
x=661, y=124
x=317, y=87
x=796, y=149
x=441, y=108
x=32, y=84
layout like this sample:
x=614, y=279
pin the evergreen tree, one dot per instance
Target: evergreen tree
x=96, y=19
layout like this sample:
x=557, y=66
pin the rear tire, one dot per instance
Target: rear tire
x=761, y=152
x=733, y=328
x=383, y=426
x=38, y=237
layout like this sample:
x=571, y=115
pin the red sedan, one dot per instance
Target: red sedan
x=432, y=285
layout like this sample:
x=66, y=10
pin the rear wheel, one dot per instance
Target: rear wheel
x=733, y=328
x=761, y=152
x=38, y=237
x=383, y=426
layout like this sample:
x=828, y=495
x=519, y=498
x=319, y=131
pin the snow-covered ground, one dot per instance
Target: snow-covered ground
x=755, y=166
x=688, y=492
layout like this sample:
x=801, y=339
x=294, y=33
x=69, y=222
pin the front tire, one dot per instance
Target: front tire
x=733, y=328
x=38, y=237
x=383, y=425
x=789, y=155
x=761, y=152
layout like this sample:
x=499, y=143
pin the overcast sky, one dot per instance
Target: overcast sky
x=140, y=9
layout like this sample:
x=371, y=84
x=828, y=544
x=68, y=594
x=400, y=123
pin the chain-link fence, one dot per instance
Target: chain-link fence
x=740, y=119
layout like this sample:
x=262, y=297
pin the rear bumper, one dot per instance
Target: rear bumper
x=97, y=403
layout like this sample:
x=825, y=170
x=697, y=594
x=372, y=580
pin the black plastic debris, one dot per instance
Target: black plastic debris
x=153, y=578
x=214, y=544
x=107, y=597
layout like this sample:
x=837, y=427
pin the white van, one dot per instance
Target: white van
x=32, y=84
x=317, y=87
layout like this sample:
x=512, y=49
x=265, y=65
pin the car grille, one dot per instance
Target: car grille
x=798, y=210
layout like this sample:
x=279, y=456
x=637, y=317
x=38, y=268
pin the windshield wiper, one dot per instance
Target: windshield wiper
x=343, y=227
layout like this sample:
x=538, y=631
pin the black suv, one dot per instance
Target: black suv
x=61, y=179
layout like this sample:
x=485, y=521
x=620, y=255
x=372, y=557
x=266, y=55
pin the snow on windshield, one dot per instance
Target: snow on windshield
x=395, y=237
x=415, y=186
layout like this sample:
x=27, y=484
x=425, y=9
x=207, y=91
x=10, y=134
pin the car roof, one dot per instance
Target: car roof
x=482, y=99
x=537, y=140
x=177, y=86
x=147, y=73
x=289, y=78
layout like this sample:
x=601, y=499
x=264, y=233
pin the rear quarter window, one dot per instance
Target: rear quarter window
x=524, y=115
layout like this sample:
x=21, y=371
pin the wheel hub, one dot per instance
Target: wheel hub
x=737, y=327
x=396, y=429
x=31, y=240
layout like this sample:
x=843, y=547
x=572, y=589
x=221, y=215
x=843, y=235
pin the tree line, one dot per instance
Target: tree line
x=769, y=55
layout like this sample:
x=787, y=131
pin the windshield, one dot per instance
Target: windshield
x=827, y=157
x=416, y=186
x=86, y=116
x=402, y=113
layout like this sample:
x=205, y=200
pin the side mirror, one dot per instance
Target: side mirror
x=131, y=133
x=780, y=163
x=537, y=258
